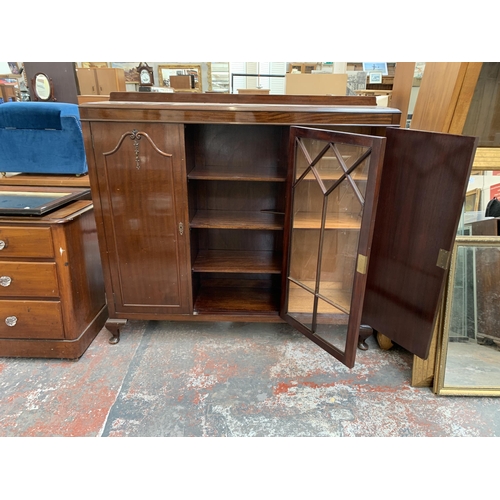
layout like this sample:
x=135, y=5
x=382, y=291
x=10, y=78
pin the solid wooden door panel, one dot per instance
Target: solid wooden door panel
x=424, y=179
x=106, y=80
x=87, y=81
x=142, y=181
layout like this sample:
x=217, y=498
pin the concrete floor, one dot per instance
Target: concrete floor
x=228, y=379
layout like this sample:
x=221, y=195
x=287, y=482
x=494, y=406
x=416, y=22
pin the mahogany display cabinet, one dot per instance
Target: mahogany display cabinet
x=313, y=210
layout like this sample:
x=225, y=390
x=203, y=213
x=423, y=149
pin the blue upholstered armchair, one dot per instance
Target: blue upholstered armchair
x=41, y=138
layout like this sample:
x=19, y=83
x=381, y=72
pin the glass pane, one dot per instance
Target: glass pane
x=305, y=237
x=360, y=175
x=338, y=266
x=345, y=208
x=300, y=304
x=308, y=152
x=340, y=243
x=349, y=153
x=304, y=256
x=332, y=325
x=307, y=204
x=473, y=348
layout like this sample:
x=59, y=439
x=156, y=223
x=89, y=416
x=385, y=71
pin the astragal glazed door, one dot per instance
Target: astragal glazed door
x=329, y=229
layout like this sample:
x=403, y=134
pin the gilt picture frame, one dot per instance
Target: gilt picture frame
x=94, y=64
x=165, y=71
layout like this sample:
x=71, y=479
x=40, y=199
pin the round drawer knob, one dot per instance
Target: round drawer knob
x=2, y=244
x=5, y=280
x=10, y=320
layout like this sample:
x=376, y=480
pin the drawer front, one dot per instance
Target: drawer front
x=29, y=319
x=26, y=242
x=28, y=279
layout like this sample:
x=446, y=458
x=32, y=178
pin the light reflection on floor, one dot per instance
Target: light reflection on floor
x=469, y=364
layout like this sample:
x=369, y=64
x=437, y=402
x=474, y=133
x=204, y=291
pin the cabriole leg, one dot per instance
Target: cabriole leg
x=113, y=326
x=364, y=332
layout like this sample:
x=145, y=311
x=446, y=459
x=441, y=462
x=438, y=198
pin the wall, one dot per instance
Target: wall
x=63, y=77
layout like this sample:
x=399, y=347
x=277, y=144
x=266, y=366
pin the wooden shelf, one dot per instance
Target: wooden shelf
x=225, y=219
x=228, y=173
x=332, y=175
x=330, y=170
x=300, y=300
x=228, y=261
x=305, y=220
x=237, y=300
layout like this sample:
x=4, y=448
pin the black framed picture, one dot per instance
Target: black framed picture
x=26, y=200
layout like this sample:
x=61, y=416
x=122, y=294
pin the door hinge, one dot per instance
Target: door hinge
x=362, y=264
x=443, y=259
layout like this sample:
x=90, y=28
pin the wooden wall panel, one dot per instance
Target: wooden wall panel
x=401, y=89
x=63, y=76
x=445, y=96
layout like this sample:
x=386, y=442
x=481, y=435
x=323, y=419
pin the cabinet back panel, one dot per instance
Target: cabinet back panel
x=235, y=239
x=240, y=146
x=239, y=196
x=238, y=293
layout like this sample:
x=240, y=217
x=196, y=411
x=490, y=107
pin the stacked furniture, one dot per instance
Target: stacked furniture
x=52, y=301
x=94, y=83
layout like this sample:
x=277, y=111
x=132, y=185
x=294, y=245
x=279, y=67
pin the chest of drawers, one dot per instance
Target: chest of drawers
x=52, y=301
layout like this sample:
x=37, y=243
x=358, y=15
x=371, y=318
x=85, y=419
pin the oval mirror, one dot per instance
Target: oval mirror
x=42, y=87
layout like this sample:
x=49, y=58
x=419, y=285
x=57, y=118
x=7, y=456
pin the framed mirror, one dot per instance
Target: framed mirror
x=219, y=77
x=181, y=77
x=43, y=88
x=468, y=361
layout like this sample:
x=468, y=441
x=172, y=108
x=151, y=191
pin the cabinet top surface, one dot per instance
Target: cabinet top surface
x=152, y=108
x=202, y=112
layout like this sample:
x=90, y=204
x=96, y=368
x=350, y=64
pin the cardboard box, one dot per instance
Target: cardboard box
x=316, y=84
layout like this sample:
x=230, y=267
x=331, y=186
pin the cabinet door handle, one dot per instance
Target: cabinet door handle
x=5, y=280
x=2, y=244
x=93, y=88
x=10, y=321
x=181, y=228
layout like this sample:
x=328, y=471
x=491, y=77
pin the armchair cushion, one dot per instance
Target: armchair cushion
x=41, y=137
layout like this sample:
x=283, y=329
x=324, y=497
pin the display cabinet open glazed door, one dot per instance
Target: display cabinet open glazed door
x=371, y=224
x=336, y=177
